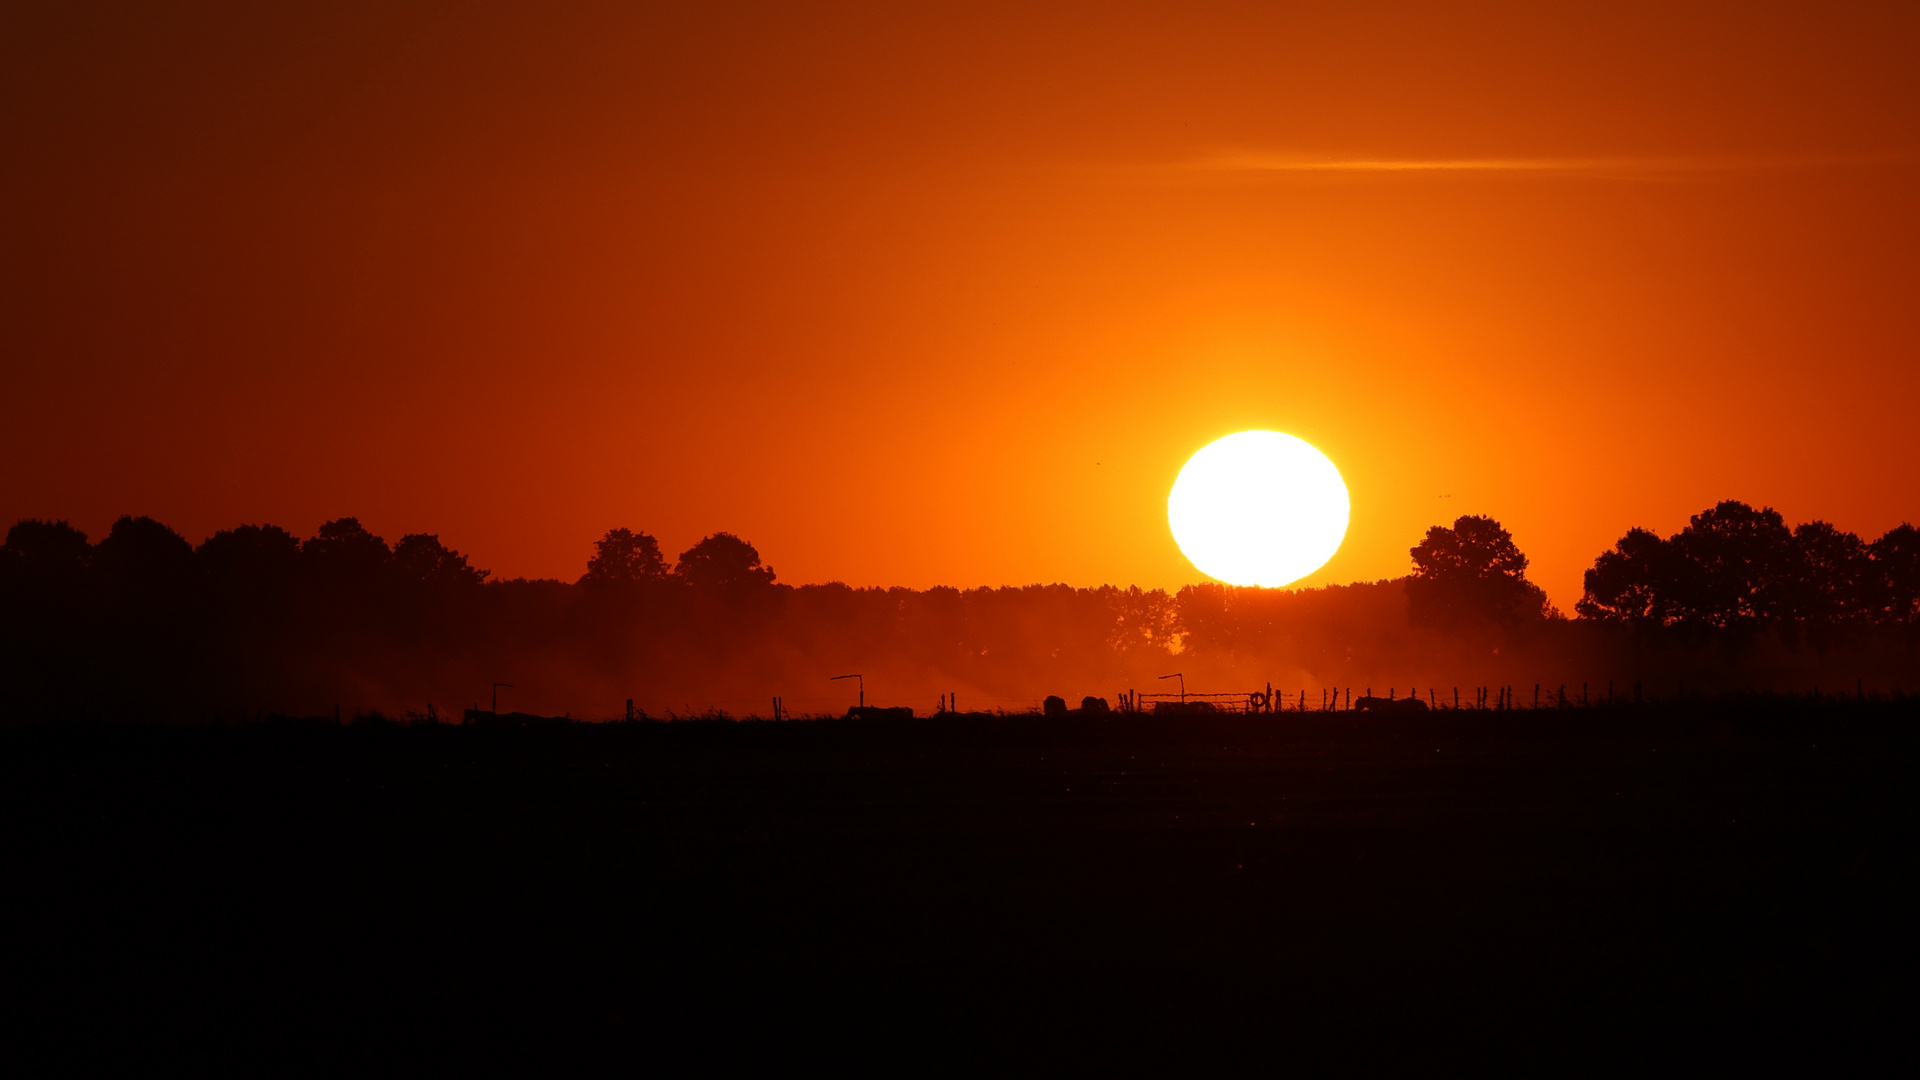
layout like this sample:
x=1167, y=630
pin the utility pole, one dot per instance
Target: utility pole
x=1183, y=684
x=863, y=686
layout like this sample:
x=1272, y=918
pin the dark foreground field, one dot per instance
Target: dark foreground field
x=1726, y=884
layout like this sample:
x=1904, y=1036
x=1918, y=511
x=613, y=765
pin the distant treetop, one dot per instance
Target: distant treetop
x=722, y=560
x=1471, y=574
x=624, y=557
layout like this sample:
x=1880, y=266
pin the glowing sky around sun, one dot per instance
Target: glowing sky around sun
x=917, y=295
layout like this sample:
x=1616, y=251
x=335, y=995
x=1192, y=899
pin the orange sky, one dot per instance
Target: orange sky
x=911, y=295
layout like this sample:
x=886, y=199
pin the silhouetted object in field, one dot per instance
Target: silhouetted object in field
x=1471, y=575
x=1095, y=705
x=879, y=712
x=1389, y=705
x=1054, y=706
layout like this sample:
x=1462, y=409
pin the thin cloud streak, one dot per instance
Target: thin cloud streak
x=1254, y=163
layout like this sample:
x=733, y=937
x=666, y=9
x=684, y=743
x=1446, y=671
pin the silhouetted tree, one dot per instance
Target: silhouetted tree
x=44, y=549
x=1896, y=579
x=150, y=617
x=1472, y=573
x=1142, y=619
x=342, y=548
x=624, y=557
x=45, y=614
x=421, y=557
x=722, y=561
x=1735, y=572
x=1633, y=583
x=1736, y=569
x=141, y=555
x=250, y=555
x=1831, y=581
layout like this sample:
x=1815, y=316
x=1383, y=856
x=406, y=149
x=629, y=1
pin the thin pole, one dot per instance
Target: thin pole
x=1183, y=684
x=863, y=685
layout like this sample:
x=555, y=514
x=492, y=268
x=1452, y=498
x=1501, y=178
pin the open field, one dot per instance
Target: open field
x=1590, y=886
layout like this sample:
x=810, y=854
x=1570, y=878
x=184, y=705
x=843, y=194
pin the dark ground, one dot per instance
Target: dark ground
x=1727, y=884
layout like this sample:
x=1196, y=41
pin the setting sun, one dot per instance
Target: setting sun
x=1258, y=508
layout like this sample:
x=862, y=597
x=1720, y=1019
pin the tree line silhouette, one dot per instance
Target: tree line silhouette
x=255, y=619
x=1740, y=572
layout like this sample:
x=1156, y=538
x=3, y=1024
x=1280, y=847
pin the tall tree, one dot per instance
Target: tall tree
x=423, y=558
x=722, y=560
x=1472, y=573
x=46, y=548
x=624, y=557
x=1737, y=570
x=1831, y=581
x=344, y=547
x=1896, y=563
x=1632, y=583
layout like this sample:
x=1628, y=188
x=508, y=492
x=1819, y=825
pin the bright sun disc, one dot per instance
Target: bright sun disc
x=1258, y=508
